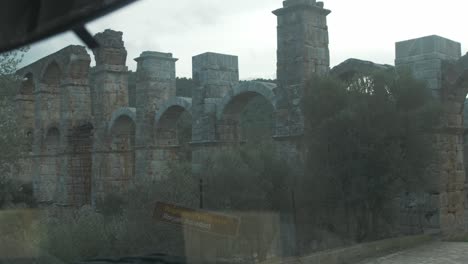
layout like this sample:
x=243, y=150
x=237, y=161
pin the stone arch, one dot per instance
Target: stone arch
x=48, y=93
x=51, y=77
x=173, y=126
x=122, y=151
x=172, y=134
x=50, y=164
x=54, y=125
x=246, y=90
x=128, y=112
x=80, y=143
x=231, y=108
x=182, y=103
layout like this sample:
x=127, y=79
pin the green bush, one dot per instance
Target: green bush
x=240, y=179
x=246, y=178
x=367, y=143
x=123, y=224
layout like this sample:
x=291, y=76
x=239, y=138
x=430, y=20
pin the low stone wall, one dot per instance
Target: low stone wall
x=358, y=252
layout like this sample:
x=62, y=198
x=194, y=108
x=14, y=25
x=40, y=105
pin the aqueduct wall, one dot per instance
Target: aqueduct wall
x=87, y=141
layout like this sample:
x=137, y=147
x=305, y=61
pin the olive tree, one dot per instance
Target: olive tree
x=367, y=143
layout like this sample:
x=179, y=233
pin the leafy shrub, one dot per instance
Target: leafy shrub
x=123, y=224
x=367, y=143
x=246, y=178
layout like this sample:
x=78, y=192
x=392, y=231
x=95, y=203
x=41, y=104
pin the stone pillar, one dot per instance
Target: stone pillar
x=76, y=98
x=450, y=182
x=302, y=52
x=75, y=111
x=425, y=57
x=215, y=75
x=109, y=91
x=110, y=76
x=156, y=83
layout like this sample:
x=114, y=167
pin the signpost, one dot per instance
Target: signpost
x=201, y=220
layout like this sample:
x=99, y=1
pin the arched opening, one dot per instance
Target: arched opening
x=122, y=157
x=80, y=164
x=248, y=117
x=49, y=93
x=174, y=130
x=51, y=77
x=50, y=166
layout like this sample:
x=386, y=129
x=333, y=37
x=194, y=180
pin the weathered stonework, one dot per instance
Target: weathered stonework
x=302, y=53
x=438, y=61
x=156, y=84
x=424, y=57
x=88, y=142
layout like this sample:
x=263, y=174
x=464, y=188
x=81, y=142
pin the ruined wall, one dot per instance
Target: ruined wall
x=54, y=98
x=89, y=142
x=445, y=196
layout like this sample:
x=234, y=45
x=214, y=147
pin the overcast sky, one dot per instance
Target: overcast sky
x=364, y=29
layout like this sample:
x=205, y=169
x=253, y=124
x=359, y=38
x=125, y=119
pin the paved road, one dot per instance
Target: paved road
x=432, y=253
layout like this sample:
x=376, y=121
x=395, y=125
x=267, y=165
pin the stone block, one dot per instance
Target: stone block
x=215, y=73
x=428, y=45
x=455, y=120
x=215, y=61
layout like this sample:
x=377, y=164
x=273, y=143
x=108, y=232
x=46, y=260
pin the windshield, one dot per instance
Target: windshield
x=262, y=131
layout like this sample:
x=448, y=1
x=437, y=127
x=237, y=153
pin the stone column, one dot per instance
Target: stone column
x=109, y=92
x=425, y=57
x=215, y=75
x=449, y=179
x=302, y=52
x=156, y=83
x=76, y=98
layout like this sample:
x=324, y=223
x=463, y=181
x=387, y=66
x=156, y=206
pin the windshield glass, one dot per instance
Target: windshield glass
x=262, y=131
